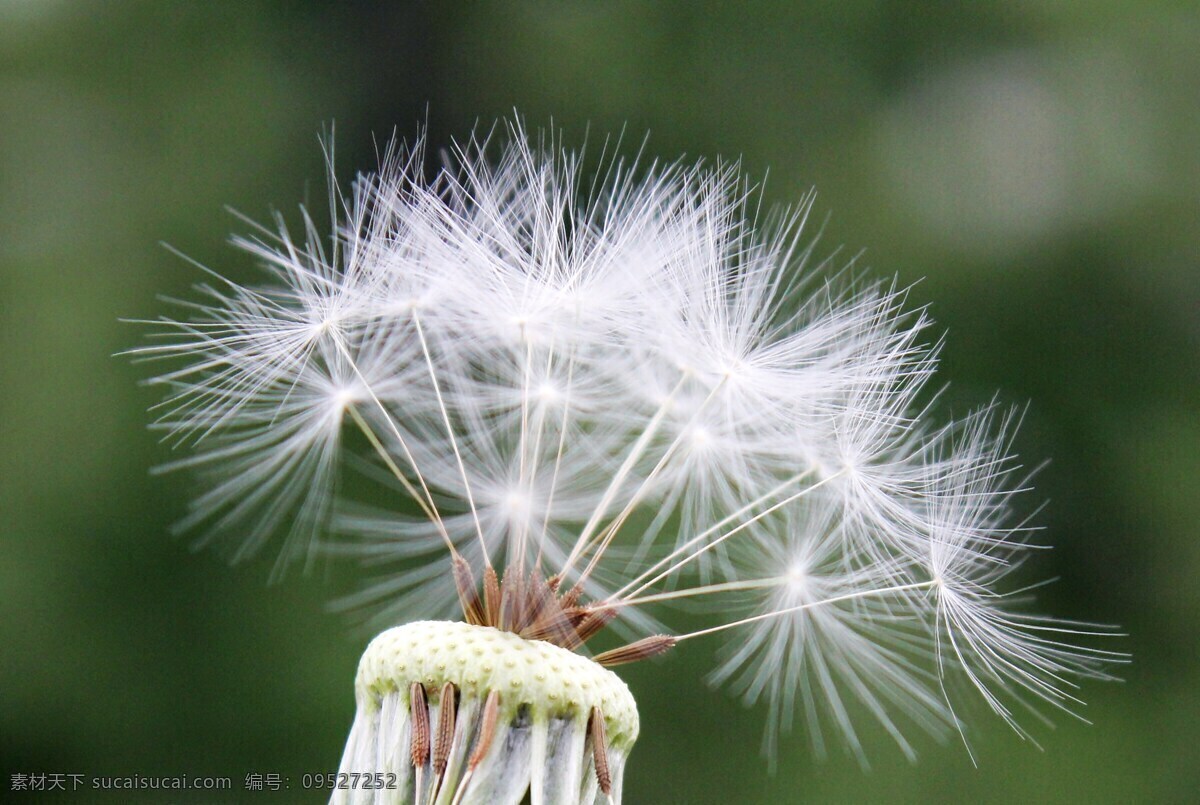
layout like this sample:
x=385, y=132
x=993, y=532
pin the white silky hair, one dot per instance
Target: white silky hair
x=621, y=375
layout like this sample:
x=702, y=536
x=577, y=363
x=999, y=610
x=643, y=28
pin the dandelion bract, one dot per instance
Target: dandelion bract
x=588, y=394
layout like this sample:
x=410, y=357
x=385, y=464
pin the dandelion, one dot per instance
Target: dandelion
x=586, y=396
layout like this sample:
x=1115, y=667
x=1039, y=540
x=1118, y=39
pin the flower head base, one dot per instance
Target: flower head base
x=595, y=396
x=463, y=713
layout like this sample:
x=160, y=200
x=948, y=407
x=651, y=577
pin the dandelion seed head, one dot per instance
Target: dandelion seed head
x=586, y=393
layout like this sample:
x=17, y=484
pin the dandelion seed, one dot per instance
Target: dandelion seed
x=591, y=396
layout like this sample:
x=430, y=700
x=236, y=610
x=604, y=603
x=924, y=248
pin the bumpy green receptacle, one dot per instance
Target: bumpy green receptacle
x=542, y=744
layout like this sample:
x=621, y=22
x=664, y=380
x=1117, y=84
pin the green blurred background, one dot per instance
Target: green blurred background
x=1035, y=162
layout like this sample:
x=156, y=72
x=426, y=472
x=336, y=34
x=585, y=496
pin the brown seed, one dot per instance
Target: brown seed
x=420, y=720
x=468, y=596
x=596, y=620
x=638, y=650
x=491, y=596
x=600, y=751
x=552, y=624
x=445, y=729
x=487, y=729
x=511, y=603
x=536, y=597
x=571, y=597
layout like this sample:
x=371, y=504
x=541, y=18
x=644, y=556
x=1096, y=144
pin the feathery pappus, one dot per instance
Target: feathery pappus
x=584, y=395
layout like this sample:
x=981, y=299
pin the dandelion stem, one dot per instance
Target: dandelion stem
x=431, y=510
x=919, y=585
x=524, y=464
x=741, y=527
x=618, y=478
x=708, y=589
x=562, y=443
x=610, y=531
x=711, y=530
x=365, y=427
x=462, y=469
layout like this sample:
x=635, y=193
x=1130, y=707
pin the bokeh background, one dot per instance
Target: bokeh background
x=1035, y=162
